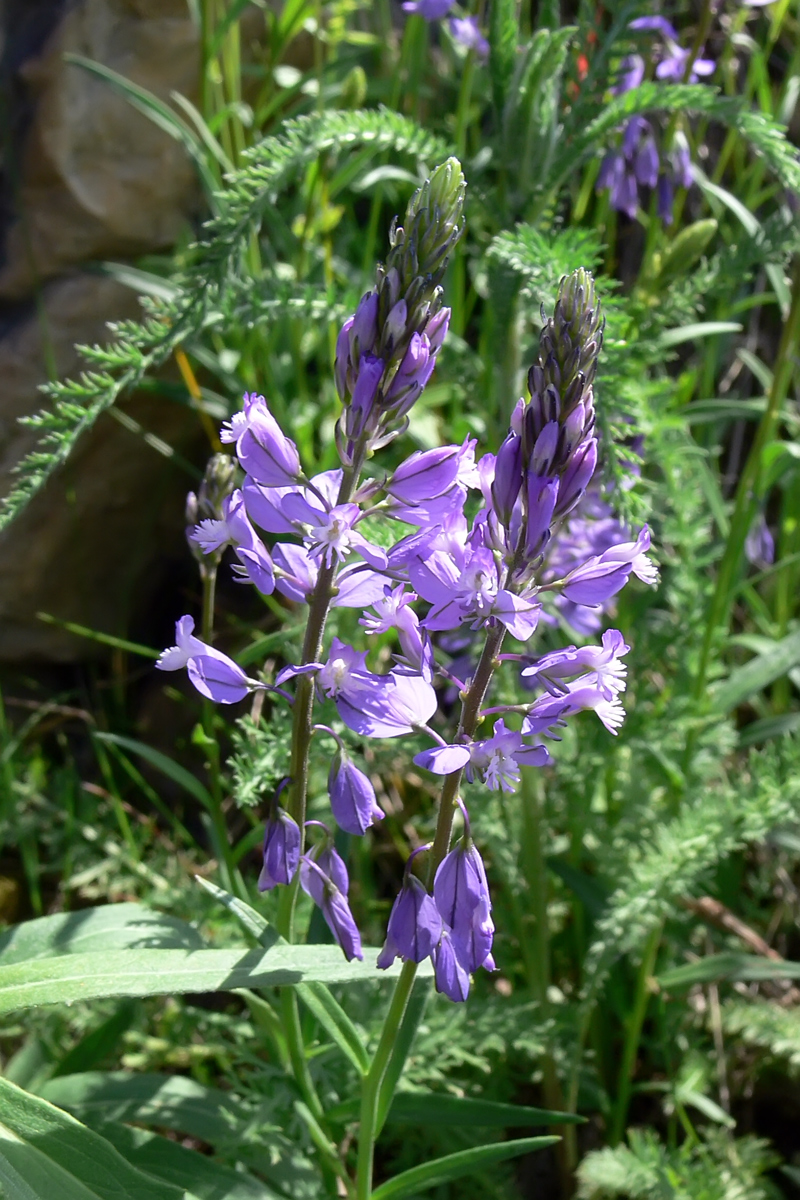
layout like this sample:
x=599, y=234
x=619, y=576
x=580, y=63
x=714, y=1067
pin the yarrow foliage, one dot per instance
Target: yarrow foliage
x=638, y=161
x=493, y=545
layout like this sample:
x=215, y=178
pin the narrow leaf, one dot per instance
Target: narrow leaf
x=757, y=674
x=162, y=762
x=172, y=972
x=732, y=967
x=45, y=1154
x=455, y=1166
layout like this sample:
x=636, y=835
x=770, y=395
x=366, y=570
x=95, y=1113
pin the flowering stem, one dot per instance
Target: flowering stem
x=371, y=1093
x=372, y=1084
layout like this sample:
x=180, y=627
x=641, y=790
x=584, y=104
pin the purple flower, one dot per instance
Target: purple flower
x=759, y=546
x=412, y=375
x=452, y=979
x=215, y=676
x=394, y=611
x=656, y=24
x=176, y=657
x=218, y=678
x=263, y=449
x=375, y=705
x=631, y=74
x=500, y=757
x=425, y=475
x=281, y=851
x=431, y=10
x=601, y=577
x=324, y=889
x=415, y=925
x=604, y=662
x=507, y=480
x=466, y=31
x=673, y=66
x=234, y=529
x=352, y=796
x=460, y=887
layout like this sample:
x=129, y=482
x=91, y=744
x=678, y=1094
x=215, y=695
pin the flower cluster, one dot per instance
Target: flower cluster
x=637, y=162
x=464, y=30
x=479, y=559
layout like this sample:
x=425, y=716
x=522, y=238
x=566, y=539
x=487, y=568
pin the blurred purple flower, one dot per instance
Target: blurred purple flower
x=431, y=10
x=467, y=31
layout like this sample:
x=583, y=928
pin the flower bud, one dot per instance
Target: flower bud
x=452, y=979
x=507, y=477
x=352, y=796
x=281, y=851
x=415, y=925
x=264, y=451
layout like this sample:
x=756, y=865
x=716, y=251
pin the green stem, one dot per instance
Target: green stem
x=372, y=1084
x=633, y=1035
x=224, y=850
x=371, y=1092
x=535, y=871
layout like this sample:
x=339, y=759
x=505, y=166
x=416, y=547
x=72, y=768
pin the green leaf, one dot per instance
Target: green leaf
x=106, y=639
x=503, y=34
x=173, y=1163
x=316, y=996
x=107, y=927
x=156, y=111
x=693, y=333
x=168, y=1101
x=100, y=1042
x=162, y=762
x=757, y=674
x=437, y=1108
x=731, y=967
x=171, y=972
x=45, y=1154
x=769, y=727
x=144, y=283
x=455, y=1166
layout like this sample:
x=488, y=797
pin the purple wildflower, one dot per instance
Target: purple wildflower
x=281, y=851
x=452, y=979
x=352, y=796
x=431, y=10
x=321, y=878
x=415, y=924
x=466, y=31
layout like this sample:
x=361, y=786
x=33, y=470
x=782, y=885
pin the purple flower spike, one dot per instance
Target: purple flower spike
x=466, y=31
x=352, y=796
x=281, y=851
x=452, y=979
x=415, y=925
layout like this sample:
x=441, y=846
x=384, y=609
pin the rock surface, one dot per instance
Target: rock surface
x=93, y=179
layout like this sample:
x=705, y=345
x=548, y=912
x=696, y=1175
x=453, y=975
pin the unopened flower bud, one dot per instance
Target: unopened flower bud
x=415, y=924
x=352, y=796
x=281, y=851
